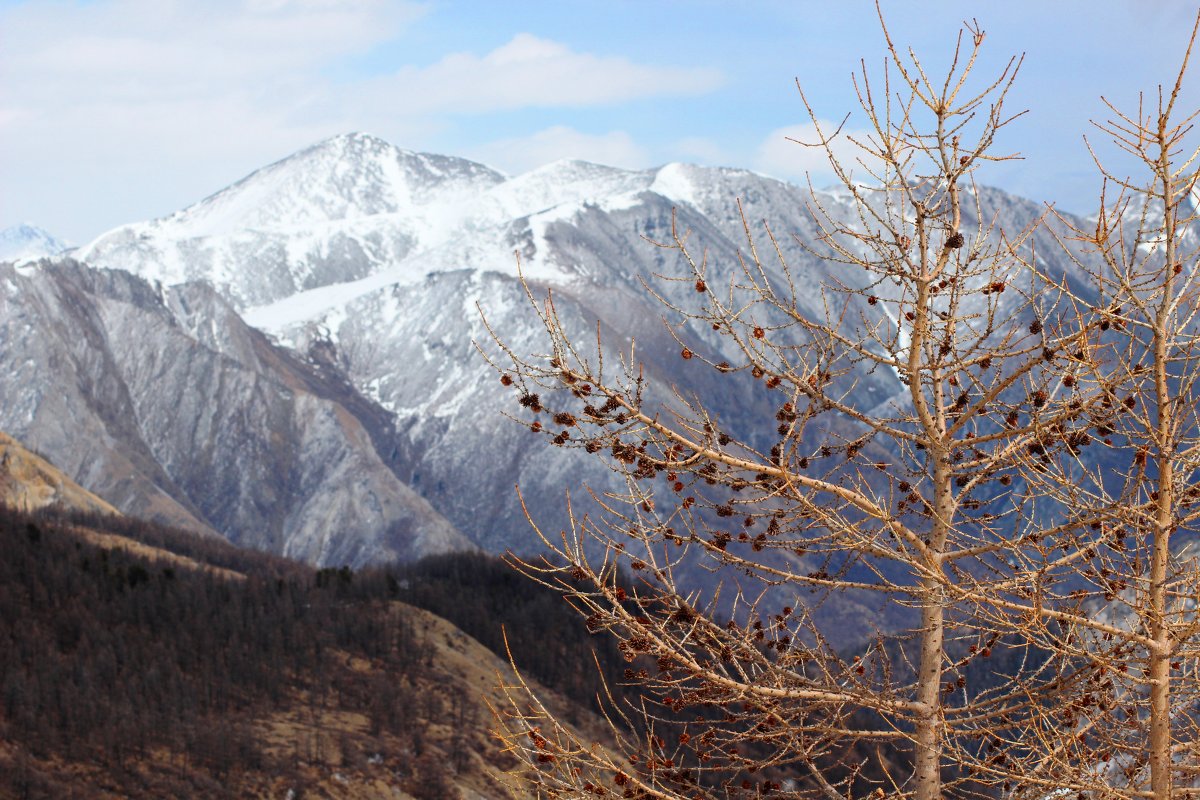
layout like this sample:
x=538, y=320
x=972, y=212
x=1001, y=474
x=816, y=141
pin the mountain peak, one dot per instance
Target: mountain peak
x=347, y=176
x=354, y=144
x=357, y=137
x=344, y=177
x=305, y=218
x=26, y=241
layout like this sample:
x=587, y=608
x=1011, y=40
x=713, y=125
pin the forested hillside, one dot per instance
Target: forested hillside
x=137, y=661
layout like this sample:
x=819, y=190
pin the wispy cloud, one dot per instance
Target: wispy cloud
x=142, y=50
x=531, y=72
x=149, y=103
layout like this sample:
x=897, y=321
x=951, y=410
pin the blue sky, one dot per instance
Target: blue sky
x=113, y=111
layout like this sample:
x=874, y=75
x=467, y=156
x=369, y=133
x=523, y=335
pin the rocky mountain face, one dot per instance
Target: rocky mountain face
x=164, y=403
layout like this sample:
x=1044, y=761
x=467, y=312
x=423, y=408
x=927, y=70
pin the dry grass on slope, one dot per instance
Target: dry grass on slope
x=29, y=482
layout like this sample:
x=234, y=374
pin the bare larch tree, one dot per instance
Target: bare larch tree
x=920, y=501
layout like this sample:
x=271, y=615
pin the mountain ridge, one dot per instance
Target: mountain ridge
x=387, y=216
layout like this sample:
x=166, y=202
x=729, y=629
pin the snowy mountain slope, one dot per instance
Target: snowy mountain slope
x=409, y=346
x=166, y=405
x=357, y=213
x=531, y=217
x=25, y=242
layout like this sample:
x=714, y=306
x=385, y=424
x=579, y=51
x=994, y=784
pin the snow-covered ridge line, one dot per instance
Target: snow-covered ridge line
x=353, y=213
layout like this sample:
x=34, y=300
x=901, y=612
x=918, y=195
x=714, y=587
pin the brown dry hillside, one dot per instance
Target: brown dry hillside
x=30, y=482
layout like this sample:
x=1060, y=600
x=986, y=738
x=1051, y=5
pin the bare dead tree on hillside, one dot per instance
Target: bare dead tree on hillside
x=917, y=501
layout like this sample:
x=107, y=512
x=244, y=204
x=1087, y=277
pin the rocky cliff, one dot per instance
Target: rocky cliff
x=163, y=402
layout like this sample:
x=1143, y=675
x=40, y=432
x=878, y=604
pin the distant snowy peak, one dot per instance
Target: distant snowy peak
x=698, y=186
x=24, y=242
x=562, y=189
x=331, y=213
x=567, y=182
x=344, y=178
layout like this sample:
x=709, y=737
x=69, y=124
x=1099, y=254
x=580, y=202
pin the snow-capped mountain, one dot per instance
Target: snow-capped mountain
x=355, y=208
x=337, y=211
x=25, y=242
x=433, y=237
x=378, y=261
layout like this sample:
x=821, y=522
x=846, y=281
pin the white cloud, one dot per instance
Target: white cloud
x=782, y=155
x=616, y=148
x=135, y=50
x=529, y=72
